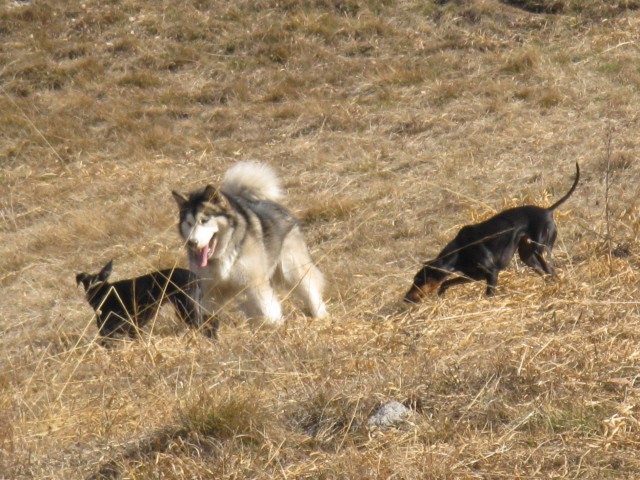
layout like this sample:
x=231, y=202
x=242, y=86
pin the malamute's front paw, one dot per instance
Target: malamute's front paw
x=320, y=312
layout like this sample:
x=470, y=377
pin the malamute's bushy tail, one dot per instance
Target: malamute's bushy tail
x=252, y=180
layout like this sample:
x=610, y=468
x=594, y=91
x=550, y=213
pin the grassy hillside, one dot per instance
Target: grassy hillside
x=392, y=124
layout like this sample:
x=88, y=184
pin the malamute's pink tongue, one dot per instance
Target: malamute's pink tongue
x=203, y=256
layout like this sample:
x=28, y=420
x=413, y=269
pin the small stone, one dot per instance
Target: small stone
x=389, y=415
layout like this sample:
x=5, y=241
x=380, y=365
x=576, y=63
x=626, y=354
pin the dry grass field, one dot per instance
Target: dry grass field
x=392, y=124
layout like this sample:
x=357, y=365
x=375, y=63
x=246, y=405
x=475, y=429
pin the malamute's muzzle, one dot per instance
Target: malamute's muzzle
x=202, y=254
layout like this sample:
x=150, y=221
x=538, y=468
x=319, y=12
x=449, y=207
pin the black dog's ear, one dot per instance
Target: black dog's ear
x=106, y=271
x=180, y=198
x=81, y=277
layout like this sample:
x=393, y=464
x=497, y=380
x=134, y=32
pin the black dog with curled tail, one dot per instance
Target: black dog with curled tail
x=481, y=250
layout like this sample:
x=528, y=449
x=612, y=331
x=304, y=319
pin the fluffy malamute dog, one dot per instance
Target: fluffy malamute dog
x=239, y=240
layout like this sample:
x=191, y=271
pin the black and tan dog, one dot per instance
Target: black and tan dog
x=125, y=306
x=480, y=251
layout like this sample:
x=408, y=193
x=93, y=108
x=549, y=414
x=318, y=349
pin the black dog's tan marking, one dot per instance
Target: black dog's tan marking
x=480, y=251
x=125, y=306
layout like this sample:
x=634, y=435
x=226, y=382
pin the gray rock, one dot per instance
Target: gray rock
x=389, y=415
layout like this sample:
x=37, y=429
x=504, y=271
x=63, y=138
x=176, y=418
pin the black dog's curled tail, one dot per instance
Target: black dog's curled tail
x=571, y=190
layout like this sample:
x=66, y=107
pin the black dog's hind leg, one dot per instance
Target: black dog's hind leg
x=210, y=327
x=547, y=265
x=191, y=311
x=532, y=255
x=547, y=248
x=492, y=281
x=133, y=327
x=187, y=310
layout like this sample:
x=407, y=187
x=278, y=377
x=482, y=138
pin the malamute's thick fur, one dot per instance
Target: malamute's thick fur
x=240, y=239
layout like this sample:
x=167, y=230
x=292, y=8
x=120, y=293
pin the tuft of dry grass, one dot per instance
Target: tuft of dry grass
x=392, y=124
x=238, y=415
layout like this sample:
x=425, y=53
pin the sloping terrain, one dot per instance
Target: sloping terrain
x=392, y=124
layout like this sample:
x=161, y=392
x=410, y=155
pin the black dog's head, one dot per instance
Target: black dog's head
x=428, y=279
x=89, y=281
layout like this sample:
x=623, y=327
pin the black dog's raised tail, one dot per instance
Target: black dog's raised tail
x=571, y=190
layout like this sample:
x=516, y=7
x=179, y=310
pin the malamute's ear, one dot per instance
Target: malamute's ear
x=106, y=271
x=213, y=195
x=180, y=198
